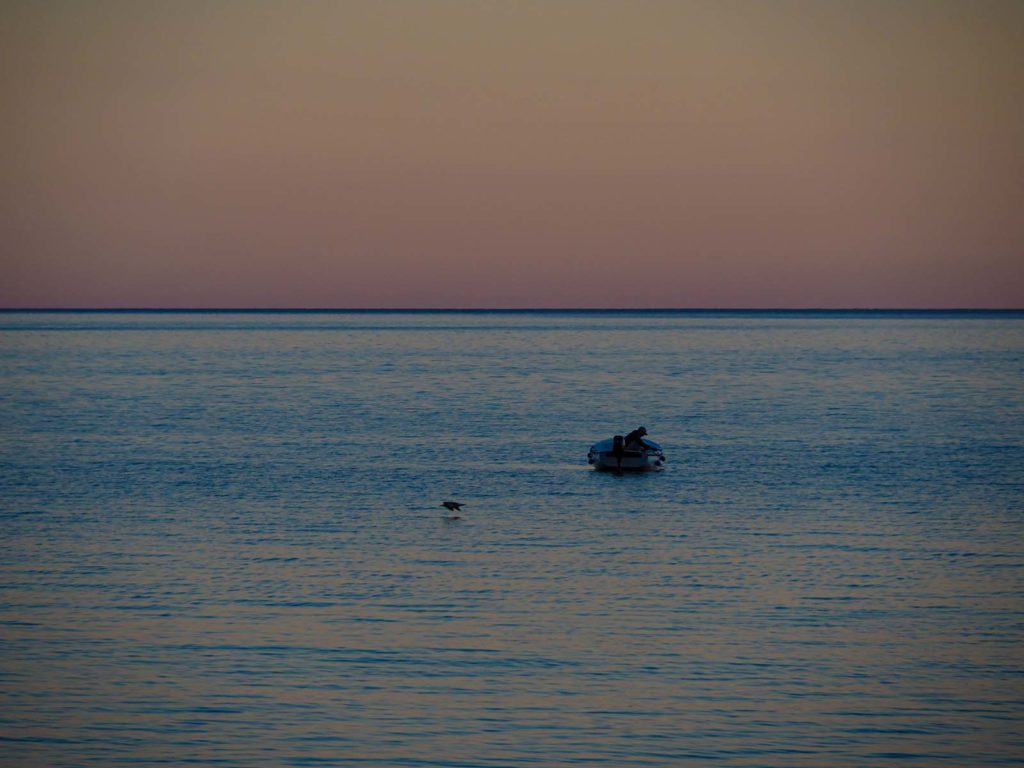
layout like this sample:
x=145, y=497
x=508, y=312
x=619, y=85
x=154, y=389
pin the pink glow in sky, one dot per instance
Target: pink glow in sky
x=378, y=153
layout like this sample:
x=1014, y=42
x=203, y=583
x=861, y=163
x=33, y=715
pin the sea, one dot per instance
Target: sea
x=221, y=539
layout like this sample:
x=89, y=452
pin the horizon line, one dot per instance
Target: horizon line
x=507, y=309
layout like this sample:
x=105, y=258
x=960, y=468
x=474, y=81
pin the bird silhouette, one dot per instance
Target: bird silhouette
x=453, y=507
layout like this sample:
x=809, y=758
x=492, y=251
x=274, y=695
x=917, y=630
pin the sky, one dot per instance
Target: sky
x=489, y=154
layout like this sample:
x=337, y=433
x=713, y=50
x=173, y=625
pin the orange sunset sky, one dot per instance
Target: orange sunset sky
x=569, y=153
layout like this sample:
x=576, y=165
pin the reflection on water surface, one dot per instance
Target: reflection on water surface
x=221, y=540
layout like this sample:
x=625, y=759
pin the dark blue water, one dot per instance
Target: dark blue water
x=220, y=540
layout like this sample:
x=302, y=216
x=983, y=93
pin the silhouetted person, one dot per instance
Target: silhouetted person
x=634, y=440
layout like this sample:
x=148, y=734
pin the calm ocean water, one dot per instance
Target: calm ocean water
x=220, y=540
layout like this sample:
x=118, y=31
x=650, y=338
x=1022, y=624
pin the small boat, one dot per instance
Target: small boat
x=612, y=454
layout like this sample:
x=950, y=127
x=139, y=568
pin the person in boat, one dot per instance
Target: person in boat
x=634, y=440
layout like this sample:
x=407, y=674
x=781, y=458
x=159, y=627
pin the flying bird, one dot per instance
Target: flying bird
x=453, y=506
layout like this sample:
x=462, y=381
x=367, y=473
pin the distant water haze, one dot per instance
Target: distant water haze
x=528, y=154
